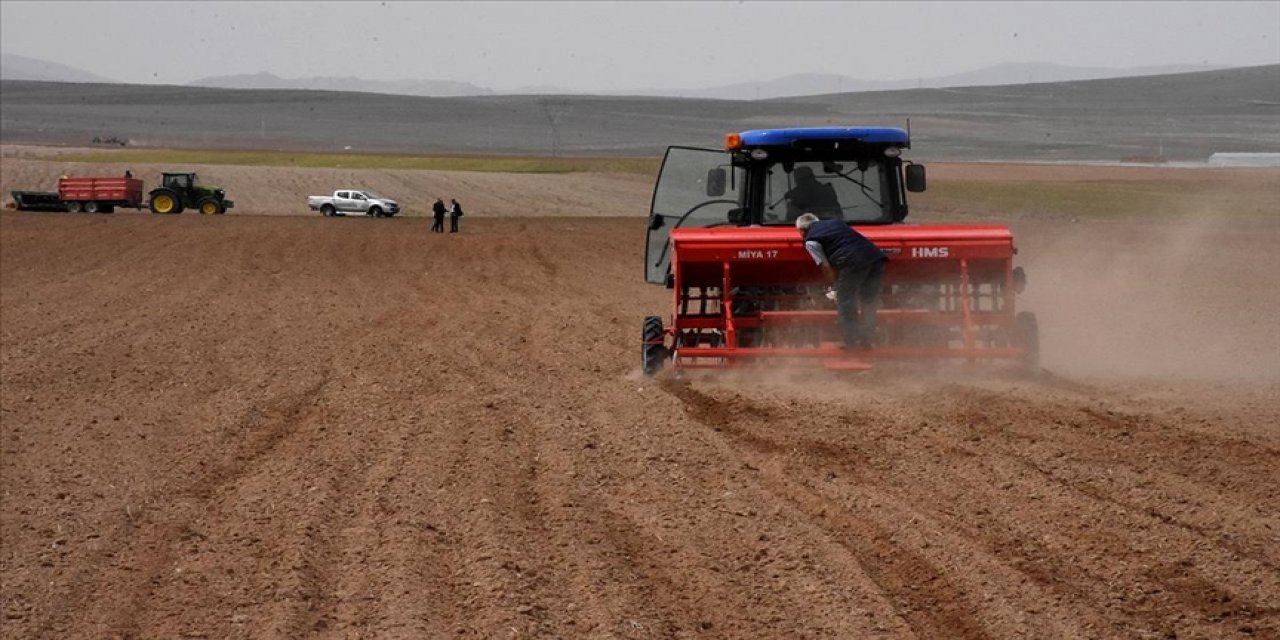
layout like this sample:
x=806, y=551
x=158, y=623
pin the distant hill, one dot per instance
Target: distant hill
x=434, y=88
x=16, y=67
x=809, y=84
x=800, y=84
x=1182, y=116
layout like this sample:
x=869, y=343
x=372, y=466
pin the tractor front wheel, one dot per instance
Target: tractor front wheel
x=209, y=207
x=165, y=202
x=653, y=351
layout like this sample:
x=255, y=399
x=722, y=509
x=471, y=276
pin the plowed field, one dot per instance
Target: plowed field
x=288, y=427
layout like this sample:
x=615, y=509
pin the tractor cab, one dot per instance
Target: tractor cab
x=770, y=177
x=178, y=191
x=180, y=182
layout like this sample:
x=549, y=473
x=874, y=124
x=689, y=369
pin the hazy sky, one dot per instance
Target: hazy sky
x=620, y=45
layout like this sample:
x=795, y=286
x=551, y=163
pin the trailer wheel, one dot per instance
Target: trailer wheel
x=1028, y=338
x=209, y=207
x=653, y=353
x=165, y=202
x=73, y=207
x=327, y=210
x=90, y=207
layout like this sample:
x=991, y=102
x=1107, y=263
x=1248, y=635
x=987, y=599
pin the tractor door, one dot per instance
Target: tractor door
x=696, y=188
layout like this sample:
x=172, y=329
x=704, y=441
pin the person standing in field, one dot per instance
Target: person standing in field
x=855, y=265
x=455, y=212
x=437, y=211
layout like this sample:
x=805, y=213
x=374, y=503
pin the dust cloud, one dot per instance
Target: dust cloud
x=1189, y=295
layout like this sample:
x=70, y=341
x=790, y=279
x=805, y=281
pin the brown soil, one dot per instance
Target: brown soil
x=283, y=427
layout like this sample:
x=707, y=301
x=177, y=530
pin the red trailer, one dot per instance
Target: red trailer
x=100, y=194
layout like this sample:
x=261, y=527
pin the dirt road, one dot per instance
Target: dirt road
x=285, y=427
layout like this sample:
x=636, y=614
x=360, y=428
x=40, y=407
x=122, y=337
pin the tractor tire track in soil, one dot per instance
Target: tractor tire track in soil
x=284, y=426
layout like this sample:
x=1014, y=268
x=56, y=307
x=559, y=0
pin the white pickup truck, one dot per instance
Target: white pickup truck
x=354, y=201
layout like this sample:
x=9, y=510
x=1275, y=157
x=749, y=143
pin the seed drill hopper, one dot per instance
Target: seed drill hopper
x=745, y=291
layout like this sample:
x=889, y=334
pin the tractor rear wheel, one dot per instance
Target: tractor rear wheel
x=165, y=202
x=1028, y=334
x=91, y=207
x=653, y=353
x=73, y=207
x=209, y=207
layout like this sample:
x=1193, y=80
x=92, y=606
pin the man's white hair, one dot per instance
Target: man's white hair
x=805, y=221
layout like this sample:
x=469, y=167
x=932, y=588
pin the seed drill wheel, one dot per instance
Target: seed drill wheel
x=653, y=353
x=209, y=207
x=1028, y=333
x=164, y=202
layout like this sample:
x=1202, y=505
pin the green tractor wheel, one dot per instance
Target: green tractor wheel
x=165, y=202
x=210, y=207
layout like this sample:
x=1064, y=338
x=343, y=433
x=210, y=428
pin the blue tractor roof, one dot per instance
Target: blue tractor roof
x=872, y=135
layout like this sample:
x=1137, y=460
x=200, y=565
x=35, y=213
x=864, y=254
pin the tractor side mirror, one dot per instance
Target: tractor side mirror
x=915, y=178
x=716, y=179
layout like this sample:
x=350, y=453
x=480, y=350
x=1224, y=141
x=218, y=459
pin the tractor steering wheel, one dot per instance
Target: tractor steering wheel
x=684, y=217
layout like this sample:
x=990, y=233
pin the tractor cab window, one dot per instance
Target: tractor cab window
x=178, y=182
x=690, y=194
x=696, y=188
x=851, y=191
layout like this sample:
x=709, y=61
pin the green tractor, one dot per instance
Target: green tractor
x=178, y=191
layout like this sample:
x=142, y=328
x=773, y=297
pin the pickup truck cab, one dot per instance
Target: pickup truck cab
x=354, y=201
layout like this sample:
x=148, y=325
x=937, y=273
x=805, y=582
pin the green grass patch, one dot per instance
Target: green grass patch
x=1096, y=198
x=312, y=160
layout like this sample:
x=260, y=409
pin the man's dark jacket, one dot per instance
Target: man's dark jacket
x=845, y=248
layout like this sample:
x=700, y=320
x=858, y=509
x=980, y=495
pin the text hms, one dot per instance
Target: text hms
x=930, y=252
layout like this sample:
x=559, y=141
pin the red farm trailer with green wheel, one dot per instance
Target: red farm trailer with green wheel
x=177, y=191
x=745, y=291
